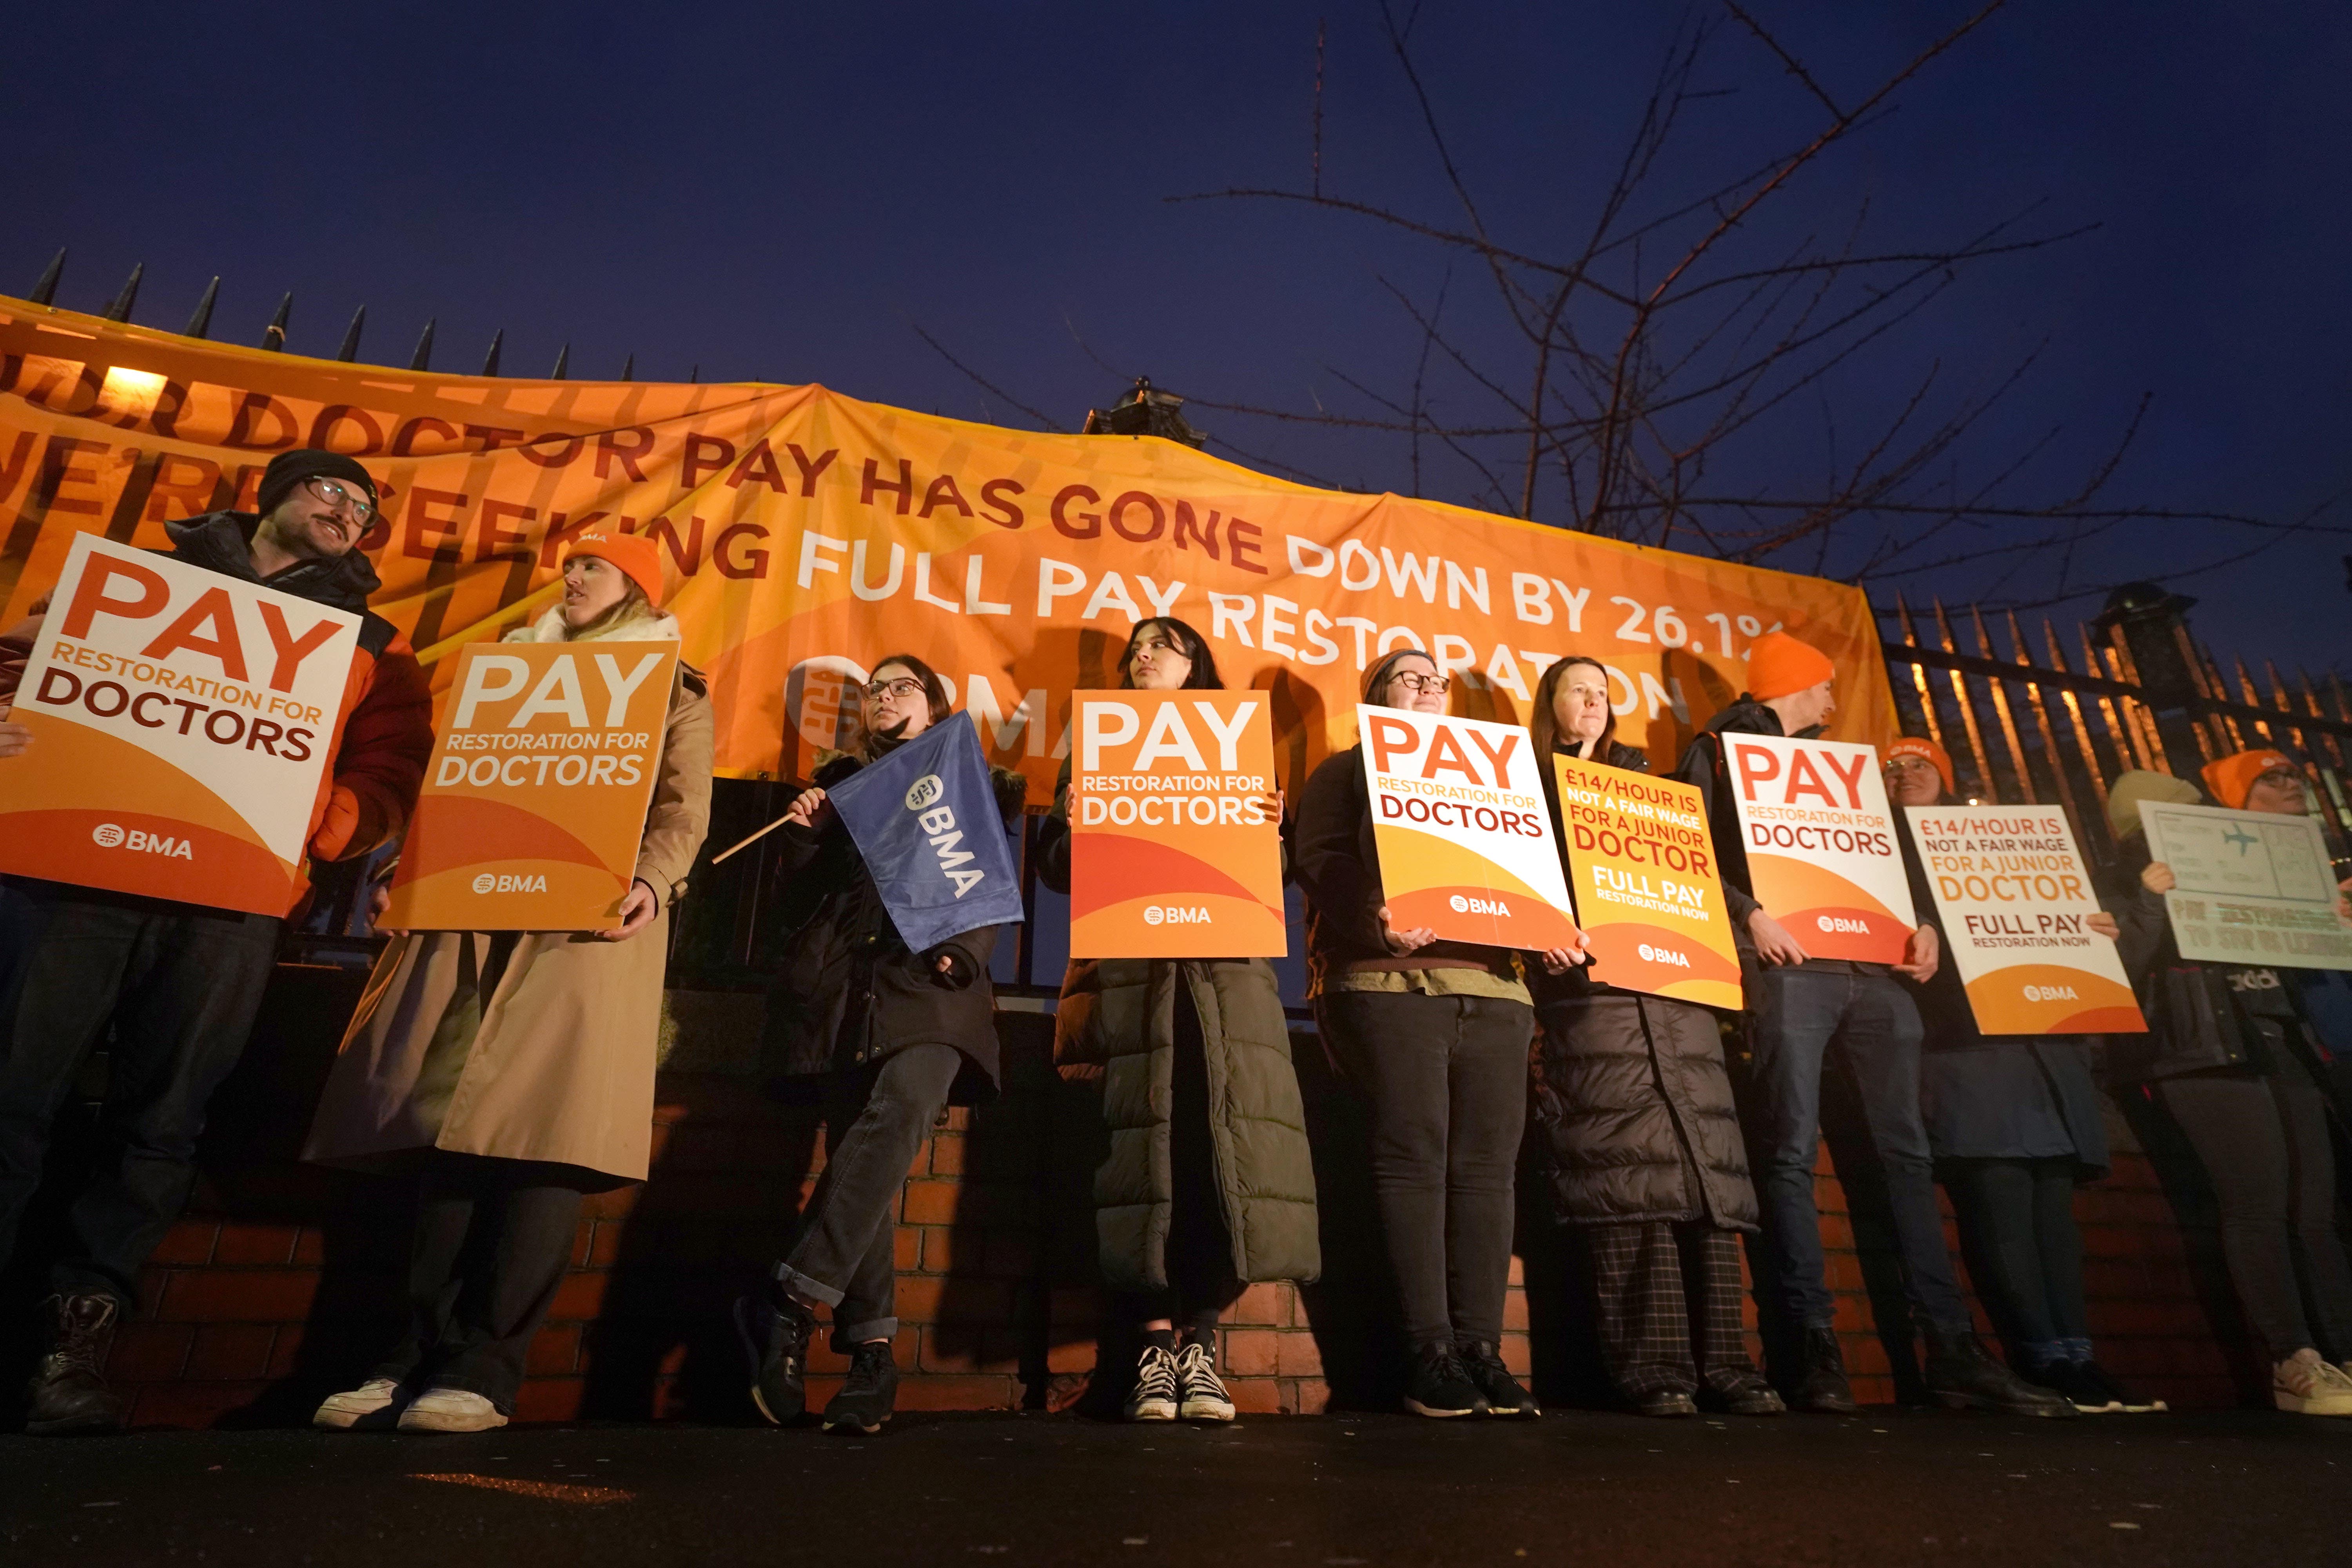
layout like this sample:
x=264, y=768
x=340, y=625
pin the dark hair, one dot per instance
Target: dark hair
x=1546, y=728
x=870, y=745
x=1203, y=677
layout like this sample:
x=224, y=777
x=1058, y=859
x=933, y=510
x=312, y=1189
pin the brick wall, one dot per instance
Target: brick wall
x=281, y=1282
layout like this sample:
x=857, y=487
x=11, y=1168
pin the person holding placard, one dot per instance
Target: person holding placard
x=181, y=984
x=882, y=1038
x=509, y=1073
x=1800, y=1008
x=2232, y=1057
x=2015, y=1126
x=1435, y=1035
x=1190, y=1205
x=1647, y=1161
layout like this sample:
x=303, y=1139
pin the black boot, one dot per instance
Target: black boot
x=775, y=1329
x=68, y=1392
x=868, y=1395
x=1822, y=1388
x=1963, y=1377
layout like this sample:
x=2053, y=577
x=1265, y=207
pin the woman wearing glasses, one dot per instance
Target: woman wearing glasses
x=1207, y=1182
x=882, y=1038
x=1435, y=1035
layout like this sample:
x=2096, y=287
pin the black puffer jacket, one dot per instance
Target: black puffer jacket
x=847, y=990
x=1634, y=1103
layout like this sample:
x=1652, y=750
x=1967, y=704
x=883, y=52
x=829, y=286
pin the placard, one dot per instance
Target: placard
x=1464, y=837
x=535, y=801
x=1821, y=856
x=2013, y=901
x=1648, y=891
x=181, y=720
x=2249, y=887
x=1175, y=837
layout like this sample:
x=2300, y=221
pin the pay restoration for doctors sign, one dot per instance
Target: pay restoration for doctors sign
x=534, y=801
x=1821, y=856
x=181, y=720
x=1175, y=838
x=1464, y=840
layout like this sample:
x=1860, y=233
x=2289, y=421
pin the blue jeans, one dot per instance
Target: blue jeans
x=1798, y=1011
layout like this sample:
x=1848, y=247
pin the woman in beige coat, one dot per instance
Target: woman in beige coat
x=513, y=1071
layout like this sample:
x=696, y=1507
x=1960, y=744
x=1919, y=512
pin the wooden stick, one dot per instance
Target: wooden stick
x=747, y=843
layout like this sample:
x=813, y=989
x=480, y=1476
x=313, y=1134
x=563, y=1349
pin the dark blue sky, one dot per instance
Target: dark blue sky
x=787, y=193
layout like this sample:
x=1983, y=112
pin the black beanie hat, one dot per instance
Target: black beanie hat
x=291, y=468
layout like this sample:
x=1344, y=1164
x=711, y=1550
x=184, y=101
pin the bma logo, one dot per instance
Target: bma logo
x=111, y=835
x=1174, y=915
x=924, y=791
x=1462, y=906
x=487, y=883
x=1840, y=923
x=2051, y=994
x=1664, y=955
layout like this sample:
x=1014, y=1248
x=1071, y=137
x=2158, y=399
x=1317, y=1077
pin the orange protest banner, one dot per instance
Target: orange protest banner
x=811, y=534
x=1458, y=819
x=180, y=722
x=1175, y=843
x=535, y=797
x=1649, y=892
x=1822, y=853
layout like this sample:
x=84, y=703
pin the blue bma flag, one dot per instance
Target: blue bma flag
x=925, y=820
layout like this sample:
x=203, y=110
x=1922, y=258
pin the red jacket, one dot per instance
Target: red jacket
x=384, y=733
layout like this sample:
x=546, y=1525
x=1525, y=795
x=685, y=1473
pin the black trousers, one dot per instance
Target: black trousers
x=1200, y=1260
x=2017, y=1230
x=492, y=1242
x=1447, y=1079
x=180, y=985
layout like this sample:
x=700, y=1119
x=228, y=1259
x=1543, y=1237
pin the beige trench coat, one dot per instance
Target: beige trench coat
x=560, y=1065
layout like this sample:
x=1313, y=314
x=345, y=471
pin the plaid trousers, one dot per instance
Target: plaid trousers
x=1662, y=1286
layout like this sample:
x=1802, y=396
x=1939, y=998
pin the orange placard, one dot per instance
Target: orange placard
x=811, y=534
x=535, y=799
x=1822, y=854
x=181, y=721
x=1649, y=894
x=1175, y=841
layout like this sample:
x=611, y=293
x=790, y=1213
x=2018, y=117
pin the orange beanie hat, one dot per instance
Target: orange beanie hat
x=1918, y=746
x=2231, y=779
x=636, y=558
x=1777, y=664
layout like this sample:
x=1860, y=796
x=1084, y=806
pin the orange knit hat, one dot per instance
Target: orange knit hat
x=2231, y=779
x=1777, y=664
x=637, y=557
x=1920, y=746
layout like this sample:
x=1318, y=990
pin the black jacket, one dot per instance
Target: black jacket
x=848, y=992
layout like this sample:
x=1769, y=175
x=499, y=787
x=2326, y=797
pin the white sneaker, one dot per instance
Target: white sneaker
x=2306, y=1385
x=342, y=1411
x=1154, y=1398
x=450, y=1410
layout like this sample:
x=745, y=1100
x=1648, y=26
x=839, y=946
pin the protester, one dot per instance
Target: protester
x=2015, y=1126
x=2233, y=1059
x=883, y=1039
x=1208, y=1183
x=1635, y=1107
x=1435, y=1035
x=1799, y=1008
x=510, y=1072
x=179, y=984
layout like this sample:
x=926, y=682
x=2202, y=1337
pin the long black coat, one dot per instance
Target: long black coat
x=848, y=992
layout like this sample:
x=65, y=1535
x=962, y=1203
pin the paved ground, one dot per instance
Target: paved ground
x=1335, y=1492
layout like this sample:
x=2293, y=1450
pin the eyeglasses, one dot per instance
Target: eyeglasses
x=904, y=686
x=341, y=497
x=1437, y=685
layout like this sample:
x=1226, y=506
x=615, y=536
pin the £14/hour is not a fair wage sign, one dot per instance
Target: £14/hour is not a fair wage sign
x=1647, y=891
x=181, y=720
x=534, y=802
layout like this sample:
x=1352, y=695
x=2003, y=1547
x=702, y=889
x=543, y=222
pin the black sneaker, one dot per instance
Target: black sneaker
x=1501, y=1390
x=2119, y=1396
x=869, y=1393
x=775, y=1329
x=1823, y=1388
x=1438, y=1386
x=1156, y=1394
x=1200, y=1395
x=1963, y=1377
